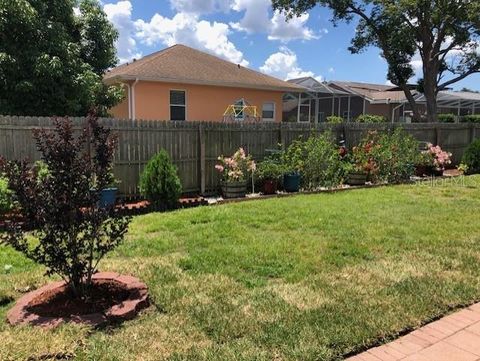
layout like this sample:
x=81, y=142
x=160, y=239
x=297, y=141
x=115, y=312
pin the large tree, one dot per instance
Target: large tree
x=445, y=34
x=52, y=57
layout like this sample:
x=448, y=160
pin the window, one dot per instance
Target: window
x=268, y=111
x=239, y=105
x=178, y=108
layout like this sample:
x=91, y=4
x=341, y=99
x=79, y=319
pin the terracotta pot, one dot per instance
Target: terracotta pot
x=234, y=189
x=270, y=186
x=357, y=178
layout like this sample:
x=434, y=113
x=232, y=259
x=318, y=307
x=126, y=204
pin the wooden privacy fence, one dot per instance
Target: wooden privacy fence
x=195, y=146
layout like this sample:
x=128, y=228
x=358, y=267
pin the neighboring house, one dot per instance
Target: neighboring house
x=351, y=99
x=181, y=83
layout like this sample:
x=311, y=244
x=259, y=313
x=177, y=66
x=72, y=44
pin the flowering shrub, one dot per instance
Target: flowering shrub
x=386, y=157
x=362, y=157
x=436, y=157
x=237, y=167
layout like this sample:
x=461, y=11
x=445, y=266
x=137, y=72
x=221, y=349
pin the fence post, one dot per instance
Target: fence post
x=437, y=134
x=201, y=142
x=280, y=134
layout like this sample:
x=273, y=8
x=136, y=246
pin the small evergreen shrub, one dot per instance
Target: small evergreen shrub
x=472, y=118
x=370, y=118
x=446, y=118
x=159, y=182
x=471, y=158
x=333, y=119
x=5, y=196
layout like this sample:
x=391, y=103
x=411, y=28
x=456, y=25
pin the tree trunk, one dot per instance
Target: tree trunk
x=412, y=102
x=430, y=93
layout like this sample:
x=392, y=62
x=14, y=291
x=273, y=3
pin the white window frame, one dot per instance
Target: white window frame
x=177, y=105
x=274, y=111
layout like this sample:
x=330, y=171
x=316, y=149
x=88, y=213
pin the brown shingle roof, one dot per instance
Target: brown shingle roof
x=181, y=64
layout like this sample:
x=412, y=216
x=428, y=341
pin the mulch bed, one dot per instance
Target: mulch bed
x=61, y=302
x=114, y=298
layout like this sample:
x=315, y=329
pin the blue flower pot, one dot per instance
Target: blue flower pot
x=291, y=182
x=108, y=197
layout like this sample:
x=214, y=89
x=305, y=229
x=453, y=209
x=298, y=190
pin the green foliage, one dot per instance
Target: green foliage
x=323, y=166
x=472, y=118
x=293, y=158
x=333, y=119
x=159, y=182
x=446, y=118
x=5, y=196
x=370, y=118
x=317, y=159
x=271, y=168
x=471, y=158
x=52, y=61
x=390, y=157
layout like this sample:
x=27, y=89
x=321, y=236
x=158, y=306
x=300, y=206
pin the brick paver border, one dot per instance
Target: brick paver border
x=128, y=309
x=455, y=337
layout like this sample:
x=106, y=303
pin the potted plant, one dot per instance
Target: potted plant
x=234, y=171
x=432, y=161
x=363, y=163
x=108, y=195
x=269, y=172
x=293, y=163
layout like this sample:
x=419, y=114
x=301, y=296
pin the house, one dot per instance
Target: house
x=350, y=99
x=181, y=83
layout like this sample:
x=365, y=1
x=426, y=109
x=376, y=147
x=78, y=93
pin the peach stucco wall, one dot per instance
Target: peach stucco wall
x=152, y=101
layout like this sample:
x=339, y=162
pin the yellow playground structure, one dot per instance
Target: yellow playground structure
x=241, y=111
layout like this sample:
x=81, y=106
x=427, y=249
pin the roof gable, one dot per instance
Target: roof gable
x=183, y=64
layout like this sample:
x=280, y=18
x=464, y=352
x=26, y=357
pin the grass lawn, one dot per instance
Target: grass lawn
x=310, y=277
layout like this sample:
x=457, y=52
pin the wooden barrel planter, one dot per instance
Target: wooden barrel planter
x=234, y=189
x=357, y=179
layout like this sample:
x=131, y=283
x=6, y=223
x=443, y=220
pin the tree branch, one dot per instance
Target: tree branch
x=458, y=78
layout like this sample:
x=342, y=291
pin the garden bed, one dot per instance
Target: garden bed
x=113, y=298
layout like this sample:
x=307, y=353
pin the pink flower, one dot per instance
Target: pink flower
x=220, y=168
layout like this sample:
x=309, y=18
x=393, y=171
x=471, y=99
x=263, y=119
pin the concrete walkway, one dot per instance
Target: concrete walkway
x=455, y=337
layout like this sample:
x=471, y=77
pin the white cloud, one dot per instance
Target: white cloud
x=295, y=28
x=284, y=65
x=201, y=6
x=258, y=19
x=187, y=29
x=331, y=70
x=120, y=14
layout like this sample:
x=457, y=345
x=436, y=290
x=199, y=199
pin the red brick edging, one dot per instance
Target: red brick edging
x=126, y=310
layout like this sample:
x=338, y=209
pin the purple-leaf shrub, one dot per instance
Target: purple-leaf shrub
x=69, y=231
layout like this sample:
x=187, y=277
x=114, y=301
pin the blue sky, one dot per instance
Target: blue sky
x=250, y=33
